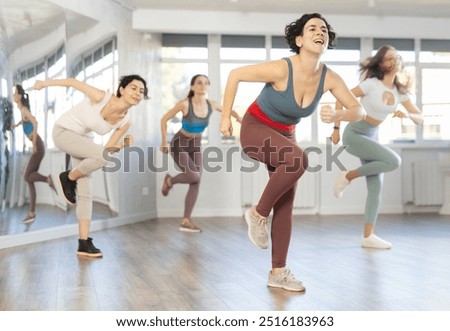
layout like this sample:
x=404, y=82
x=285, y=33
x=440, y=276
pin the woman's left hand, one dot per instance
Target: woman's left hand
x=128, y=140
x=401, y=114
x=226, y=128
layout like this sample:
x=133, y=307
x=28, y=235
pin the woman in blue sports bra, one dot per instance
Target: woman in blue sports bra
x=185, y=146
x=30, y=126
x=293, y=89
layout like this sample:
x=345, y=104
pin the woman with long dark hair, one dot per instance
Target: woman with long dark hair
x=30, y=129
x=185, y=146
x=380, y=92
x=101, y=112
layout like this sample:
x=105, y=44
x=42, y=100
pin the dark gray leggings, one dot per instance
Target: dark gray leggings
x=31, y=172
x=187, y=155
x=286, y=163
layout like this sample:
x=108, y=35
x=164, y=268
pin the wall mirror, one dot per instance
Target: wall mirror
x=41, y=40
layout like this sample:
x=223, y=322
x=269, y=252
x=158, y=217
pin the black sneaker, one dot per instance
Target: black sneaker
x=68, y=187
x=87, y=248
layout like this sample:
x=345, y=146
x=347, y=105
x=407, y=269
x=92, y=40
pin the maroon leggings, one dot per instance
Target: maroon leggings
x=286, y=163
x=31, y=172
x=187, y=155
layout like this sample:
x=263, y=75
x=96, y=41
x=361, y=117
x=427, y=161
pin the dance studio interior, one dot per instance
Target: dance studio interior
x=148, y=264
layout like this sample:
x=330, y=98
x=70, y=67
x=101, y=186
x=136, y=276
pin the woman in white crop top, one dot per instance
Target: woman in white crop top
x=380, y=92
x=101, y=112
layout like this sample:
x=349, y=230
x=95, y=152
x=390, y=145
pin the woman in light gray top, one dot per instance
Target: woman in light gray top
x=101, y=112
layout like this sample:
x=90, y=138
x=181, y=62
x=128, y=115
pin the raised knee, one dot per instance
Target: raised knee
x=195, y=178
x=395, y=162
x=298, y=164
x=27, y=178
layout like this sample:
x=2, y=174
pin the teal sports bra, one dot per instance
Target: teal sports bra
x=193, y=124
x=28, y=127
x=281, y=107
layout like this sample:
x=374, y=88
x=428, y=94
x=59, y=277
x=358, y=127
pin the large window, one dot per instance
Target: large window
x=435, y=97
x=237, y=51
x=186, y=55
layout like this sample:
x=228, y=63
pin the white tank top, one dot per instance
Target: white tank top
x=85, y=118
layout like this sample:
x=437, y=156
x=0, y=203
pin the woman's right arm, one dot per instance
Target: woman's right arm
x=93, y=93
x=267, y=72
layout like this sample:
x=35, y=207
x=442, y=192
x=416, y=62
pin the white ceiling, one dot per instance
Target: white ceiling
x=21, y=21
x=419, y=8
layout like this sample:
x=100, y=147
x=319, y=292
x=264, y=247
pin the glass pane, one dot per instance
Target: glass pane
x=4, y=88
x=434, y=57
x=341, y=55
x=232, y=53
x=185, y=52
x=247, y=93
x=436, y=103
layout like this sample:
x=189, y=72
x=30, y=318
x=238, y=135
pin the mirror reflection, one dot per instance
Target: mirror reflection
x=43, y=41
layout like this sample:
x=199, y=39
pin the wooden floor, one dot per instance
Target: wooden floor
x=153, y=266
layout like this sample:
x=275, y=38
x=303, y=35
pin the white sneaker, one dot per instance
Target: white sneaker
x=29, y=219
x=374, y=241
x=257, y=229
x=285, y=279
x=340, y=184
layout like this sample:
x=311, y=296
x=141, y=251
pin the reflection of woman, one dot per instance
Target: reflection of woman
x=101, y=112
x=6, y=120
x=30, y=127
x=380, y=93
x=294, y=86
x=185, y=145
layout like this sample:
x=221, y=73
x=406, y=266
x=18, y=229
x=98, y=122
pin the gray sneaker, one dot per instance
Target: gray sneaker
x=285, y=279
x=257, y=229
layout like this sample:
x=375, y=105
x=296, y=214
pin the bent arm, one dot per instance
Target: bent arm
x=113, y=142
x=414, y=112
x=348, y=107
x=180, y=106
x=267, y=72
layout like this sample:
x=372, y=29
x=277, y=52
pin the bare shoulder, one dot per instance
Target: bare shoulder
x=182, y=105
x=332, y=75
x=332, y=79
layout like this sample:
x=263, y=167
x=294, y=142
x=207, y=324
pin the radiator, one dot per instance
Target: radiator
x=306, y=196
x=428, y=183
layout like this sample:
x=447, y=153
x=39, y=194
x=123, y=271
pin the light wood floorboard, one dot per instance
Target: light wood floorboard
x=153, y=266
